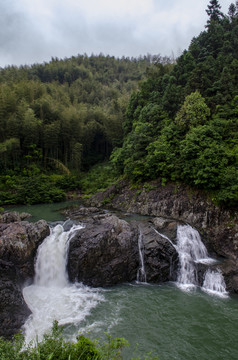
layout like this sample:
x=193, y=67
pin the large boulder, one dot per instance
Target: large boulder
x=19, y=241
x=13, y=216
x=106, y=251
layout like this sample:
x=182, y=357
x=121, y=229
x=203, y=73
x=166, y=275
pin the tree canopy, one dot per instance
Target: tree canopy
x=182, y=124
x=66, y=114
x=155, y=117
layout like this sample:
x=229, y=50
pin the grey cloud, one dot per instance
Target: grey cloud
x=19, y=39
x=25, y=38
x=11, y=23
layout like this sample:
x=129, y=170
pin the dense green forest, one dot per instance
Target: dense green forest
x=156, y=118
x=182, y=125
x=61, y=118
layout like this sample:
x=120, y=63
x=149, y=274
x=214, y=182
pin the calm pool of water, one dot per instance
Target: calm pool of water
x=171, y=323
x=48, y=212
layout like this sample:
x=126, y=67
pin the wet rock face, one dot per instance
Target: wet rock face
x=167, y=227
x=230, y=273
x=106, y=252
x=160, y=257
x=13, y=309
x=181, y=203
x=19, y=241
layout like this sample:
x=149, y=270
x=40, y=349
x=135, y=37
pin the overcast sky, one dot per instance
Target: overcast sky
x=33, y=31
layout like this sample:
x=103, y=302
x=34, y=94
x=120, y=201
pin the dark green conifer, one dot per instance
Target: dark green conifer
x=214, y=13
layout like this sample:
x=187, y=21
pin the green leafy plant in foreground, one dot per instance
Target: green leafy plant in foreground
x=55, y=347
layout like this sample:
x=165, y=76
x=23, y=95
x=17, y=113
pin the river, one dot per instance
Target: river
x=174, y=322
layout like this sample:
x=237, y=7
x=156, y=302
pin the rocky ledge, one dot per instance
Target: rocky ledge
x=218, y=227
x=106, y=251
x=19, y=241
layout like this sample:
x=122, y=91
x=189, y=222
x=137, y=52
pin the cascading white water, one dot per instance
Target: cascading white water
x=166, y=237
x=141, y=274
x=191, y=251
x=214, y=283
x=51, y=297
x=50, y=268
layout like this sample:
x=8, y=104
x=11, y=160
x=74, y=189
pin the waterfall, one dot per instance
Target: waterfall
x=192, y=251
x=50, y=268
x=141, y=274
x=166, y=238
x=214, y=283
x=52, y=297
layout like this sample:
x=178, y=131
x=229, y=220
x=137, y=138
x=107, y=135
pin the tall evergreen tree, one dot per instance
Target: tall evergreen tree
x=232, y=11
x=214, y=13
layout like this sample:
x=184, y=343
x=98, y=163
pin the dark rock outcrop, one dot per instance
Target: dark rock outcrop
x=160, y=256
x=230, y=273
x=19, y=241
x=13, y=309
x=167, y=227
x=13, y=216
x=218, y=227
x=106, y=251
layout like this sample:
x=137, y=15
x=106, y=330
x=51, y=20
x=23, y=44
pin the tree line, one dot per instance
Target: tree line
x=155, y=117
x=182, y=124
x=65, y=115
x=70, y=110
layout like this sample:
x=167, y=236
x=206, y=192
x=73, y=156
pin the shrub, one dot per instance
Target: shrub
x=54, y=347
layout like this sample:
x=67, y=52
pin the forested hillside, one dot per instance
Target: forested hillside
x=66, y=114
x=182, y=125
x=157, y=118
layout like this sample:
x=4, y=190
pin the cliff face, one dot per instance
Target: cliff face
x=218, y=227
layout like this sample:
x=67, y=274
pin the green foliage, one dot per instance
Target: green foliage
x=59, y=118
x=111, y=349
x=34, y=187
x=204, y=157
x=213, y=11
x=182, y=125
x=54, y=347
x=71, y=110
x=100, y=177
x=194, y=111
